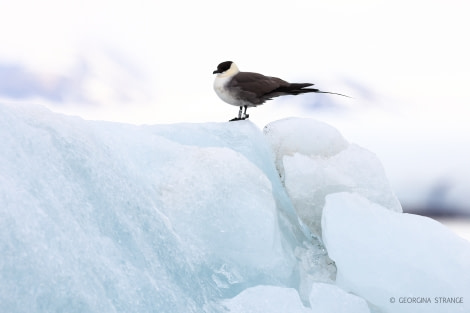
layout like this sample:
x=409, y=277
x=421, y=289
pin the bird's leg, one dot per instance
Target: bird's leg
x=244, y=114
x=240, y=112
x=239, y=116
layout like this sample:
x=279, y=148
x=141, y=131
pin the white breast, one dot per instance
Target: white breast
x=220, y=87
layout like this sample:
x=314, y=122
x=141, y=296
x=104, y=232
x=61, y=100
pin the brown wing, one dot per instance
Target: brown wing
x=254, y=87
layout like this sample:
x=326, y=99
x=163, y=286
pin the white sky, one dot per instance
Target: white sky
x=405, y=63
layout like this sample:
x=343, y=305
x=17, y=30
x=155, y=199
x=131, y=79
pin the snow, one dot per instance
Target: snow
x=382, y=254
x=106, y=217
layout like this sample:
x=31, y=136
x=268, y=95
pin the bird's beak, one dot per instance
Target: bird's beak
x=215, y=72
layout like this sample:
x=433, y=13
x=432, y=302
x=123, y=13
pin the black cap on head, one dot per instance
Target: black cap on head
x=222, y=67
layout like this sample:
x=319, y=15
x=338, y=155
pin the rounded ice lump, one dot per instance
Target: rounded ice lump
x=314, y=160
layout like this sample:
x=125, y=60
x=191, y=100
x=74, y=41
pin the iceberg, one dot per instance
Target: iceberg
x=215, y=217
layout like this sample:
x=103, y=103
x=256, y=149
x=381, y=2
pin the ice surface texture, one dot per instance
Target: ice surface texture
x=103, y=217
x=216, y=217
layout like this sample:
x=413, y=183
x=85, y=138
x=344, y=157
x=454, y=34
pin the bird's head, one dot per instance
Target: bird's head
x=227, y=68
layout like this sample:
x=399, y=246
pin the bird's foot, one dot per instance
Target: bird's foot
x=238, y=119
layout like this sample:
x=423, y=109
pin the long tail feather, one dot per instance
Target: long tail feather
x=299, y=88
x=319, y=91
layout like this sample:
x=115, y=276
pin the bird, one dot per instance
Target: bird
x=247, y=89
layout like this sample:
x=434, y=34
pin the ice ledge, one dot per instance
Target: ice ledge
x=388, y=257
